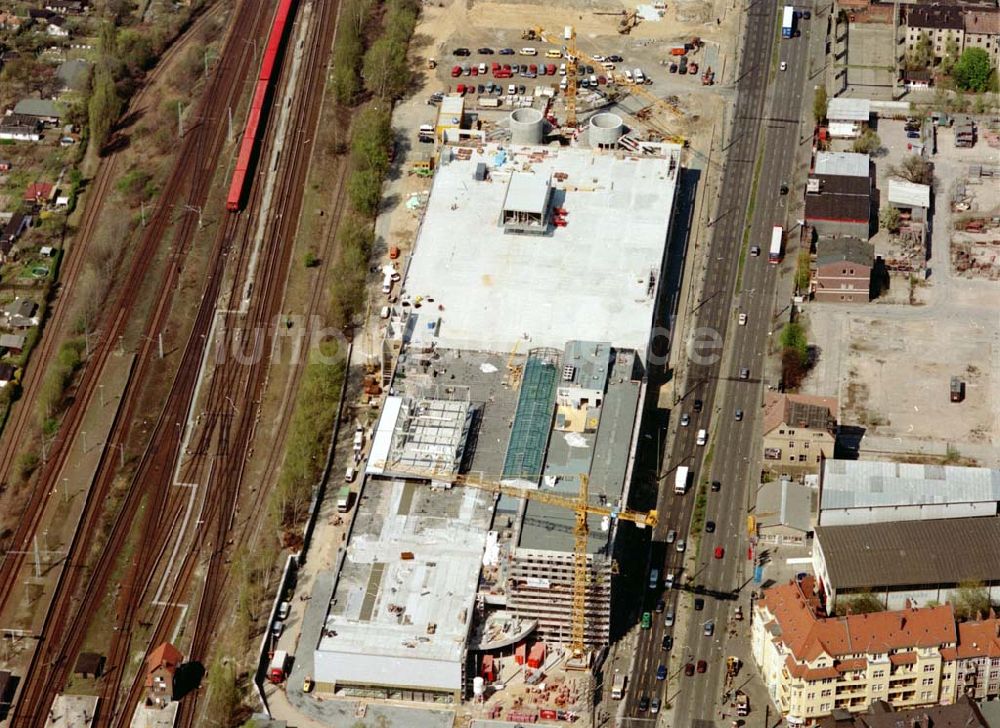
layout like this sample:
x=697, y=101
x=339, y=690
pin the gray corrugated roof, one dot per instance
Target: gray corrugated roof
x=871, y=483
x=851, y=164
x=911, y=553
x=843, y=109
x=902, y=192
x=853, y=250
x=785, y=504
x=38, y=107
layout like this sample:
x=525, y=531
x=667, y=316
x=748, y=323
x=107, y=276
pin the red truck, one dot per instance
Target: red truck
x=277, y=671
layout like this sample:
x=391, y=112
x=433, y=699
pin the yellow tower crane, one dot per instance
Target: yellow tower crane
x=580, y=505
x=574, y=56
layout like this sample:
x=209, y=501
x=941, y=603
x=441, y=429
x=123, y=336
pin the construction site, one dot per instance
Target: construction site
x=480, y=554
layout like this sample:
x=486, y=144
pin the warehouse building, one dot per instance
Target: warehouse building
x=855, y=492
x=523, y=322
x=904, y=562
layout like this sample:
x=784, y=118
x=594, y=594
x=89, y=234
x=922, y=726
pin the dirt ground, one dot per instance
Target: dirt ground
x=891, y=362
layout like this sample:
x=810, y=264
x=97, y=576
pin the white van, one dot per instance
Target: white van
x=639, y=77
x=385, y=312
x=702, y=437
x=562, y=69
x=482, y=69
x=511, y=90
x=349, y=475
x=628, y=76
x=593, y=80
x=529, y=51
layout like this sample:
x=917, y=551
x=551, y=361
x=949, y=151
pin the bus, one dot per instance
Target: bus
x=788, y=22
x=777, y=237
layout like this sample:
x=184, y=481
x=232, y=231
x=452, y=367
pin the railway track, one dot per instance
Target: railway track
x=22, y=414
x=65, y=623
x=234, y=383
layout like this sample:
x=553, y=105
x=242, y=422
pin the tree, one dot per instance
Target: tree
x=819, y=104
x=950, y=55
x=971, y=600
x=888, y=218
x=922, y=53
x=972, y=71
x=862, y=603
x=104, y=106
x=385, y=69
x=868, y=143
x=364, y=187
x=915, y=168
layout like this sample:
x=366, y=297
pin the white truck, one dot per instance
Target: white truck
x=681, y=480
x=618, y=686
x=277, y=669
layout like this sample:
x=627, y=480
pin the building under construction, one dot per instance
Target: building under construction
x=522, y=365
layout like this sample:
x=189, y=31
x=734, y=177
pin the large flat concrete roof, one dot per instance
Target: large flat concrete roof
x=594, y=279
x=404, y=601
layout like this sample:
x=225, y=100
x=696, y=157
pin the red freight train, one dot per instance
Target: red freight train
x=256, y=115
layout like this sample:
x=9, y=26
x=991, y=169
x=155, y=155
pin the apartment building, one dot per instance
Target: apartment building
x=799, y=431
x=956, y=25
x=813, y=665
x=942, y=24
x=982, y=30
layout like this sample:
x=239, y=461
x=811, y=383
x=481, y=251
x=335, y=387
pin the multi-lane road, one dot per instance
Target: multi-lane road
x=768, y=111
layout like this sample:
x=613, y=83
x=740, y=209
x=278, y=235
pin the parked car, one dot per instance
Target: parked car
x=709, y=526
x=699, y=604
x=698, y=404
x=668, y=643
x=783, y=66
x=719, y=552
x=744, y=372
x=486, y=51
x=643, y=703
x=661, y=672
x=702, y=666
x=660, y=606
x=709, y=629
x=435, y=98
x=680, y=546
x=739, y=415
x=461, y=52
x=743, y=319
x=522, y=89
x=783, y=189
x=716, y=486
x=602, y=81
x=615, y=59
x=668, y=618
x=506, y=51
x=654, y=707
x=685, y=419
x=754, y=250
x=671, y=536
x=673, y=68
x=806, y=14
x=277, y=627
x=689, y=669
x=456, y=71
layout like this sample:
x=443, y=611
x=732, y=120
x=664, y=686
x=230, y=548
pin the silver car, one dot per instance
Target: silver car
x=709, y=628
x=680, y=546
x=671, y=536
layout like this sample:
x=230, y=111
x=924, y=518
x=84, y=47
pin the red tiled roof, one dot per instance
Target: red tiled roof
x=809, y=636
x=854, y=663
x=979, y=639
x=38, y=191
x=903, y=658
x=166, y=656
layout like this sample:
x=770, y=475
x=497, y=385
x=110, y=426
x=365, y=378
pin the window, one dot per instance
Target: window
x=826, y=693
x=927, y=681
x=810, y=696
x=818, y=458
x=928, y=668
x=791, y=433
x=781, y=432
x=806, y=445
x=852, y=271
x=878, y=673
x=802, y=458
x=791, y=444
